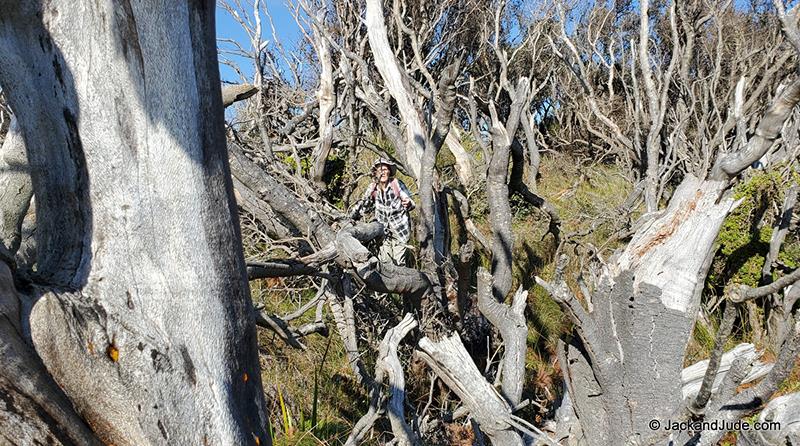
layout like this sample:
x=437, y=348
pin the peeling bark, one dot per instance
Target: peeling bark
x=463, y=158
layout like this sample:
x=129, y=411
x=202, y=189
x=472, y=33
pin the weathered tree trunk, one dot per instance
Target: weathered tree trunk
x=397, y=85
x=510, y=322
x=643, y=315
x=327, y=101
x=143, y=315
x=32, y=407
x=497, y=188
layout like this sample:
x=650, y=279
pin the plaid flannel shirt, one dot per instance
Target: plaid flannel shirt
x=389, y=209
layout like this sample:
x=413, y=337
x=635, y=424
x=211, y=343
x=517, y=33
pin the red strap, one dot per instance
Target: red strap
x=394, y=185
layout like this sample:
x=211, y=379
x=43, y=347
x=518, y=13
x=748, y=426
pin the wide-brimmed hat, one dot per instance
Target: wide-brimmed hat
x=386, y=162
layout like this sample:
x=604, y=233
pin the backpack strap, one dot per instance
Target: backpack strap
x=393, y=184
x=395, y=187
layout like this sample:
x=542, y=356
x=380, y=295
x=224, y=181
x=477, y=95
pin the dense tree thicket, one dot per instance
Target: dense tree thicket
x=127, y=316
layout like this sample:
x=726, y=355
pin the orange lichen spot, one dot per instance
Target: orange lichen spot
x=245, y=377
x=258, y=440
x=113, y=352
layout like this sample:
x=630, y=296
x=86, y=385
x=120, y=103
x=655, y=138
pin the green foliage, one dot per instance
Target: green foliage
x=582, y=194
x=743, y=244
x=790, y=255
x=291, y=161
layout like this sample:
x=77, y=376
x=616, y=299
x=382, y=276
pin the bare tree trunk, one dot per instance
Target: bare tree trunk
x=534, y=157
x=327, y=102
x=397, y=85
x=777, y=309
x=510, y=321
x=643, y=315
x=645, y=309
x=124, y=134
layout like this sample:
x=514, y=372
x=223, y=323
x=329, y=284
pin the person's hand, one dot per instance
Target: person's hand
x=406, y=202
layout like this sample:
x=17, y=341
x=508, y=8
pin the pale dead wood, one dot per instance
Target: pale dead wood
x=450, y=361
x=236, y=92
x=388, y=367
x=732, y=407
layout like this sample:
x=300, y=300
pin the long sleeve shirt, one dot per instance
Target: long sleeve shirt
x=389, y=209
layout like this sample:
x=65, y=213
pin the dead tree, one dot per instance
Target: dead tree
x=652, y=118
x=646, y=302
x=664, y=108
x=138, y=309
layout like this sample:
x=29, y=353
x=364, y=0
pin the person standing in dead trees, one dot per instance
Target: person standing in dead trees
x=392, y=202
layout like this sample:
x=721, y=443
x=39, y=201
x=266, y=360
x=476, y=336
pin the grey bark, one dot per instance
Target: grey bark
x=32, y=407
x=779, y=306
x=779, y=231
x=724, y=330
x=497, y=191
x=767, y=132
x=128, y=165
x=16, y=191
x=534, y=157
x=745, y=293
x=510, y=321
x=282, y=201
x=608, y=373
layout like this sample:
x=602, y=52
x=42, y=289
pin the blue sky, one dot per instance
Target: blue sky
x=285, y=28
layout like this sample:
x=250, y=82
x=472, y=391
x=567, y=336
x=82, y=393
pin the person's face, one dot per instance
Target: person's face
x=383, y=173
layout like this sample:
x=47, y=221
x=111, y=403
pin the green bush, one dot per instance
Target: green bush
x=743, y=244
